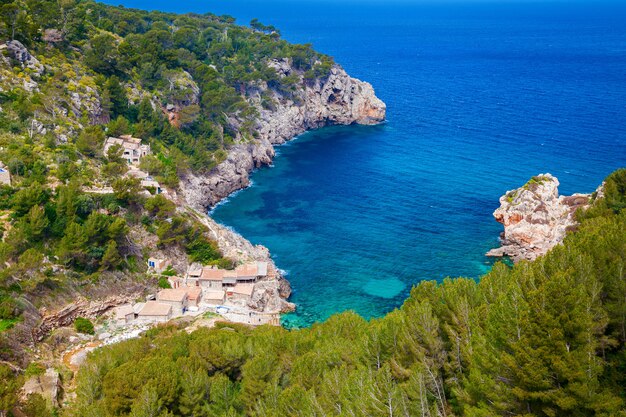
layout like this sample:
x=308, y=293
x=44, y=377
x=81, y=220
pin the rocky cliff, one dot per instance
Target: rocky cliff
x=337, y=99
x=535, y=218
x=334, y=100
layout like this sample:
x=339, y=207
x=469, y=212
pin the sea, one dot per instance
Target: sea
x=481, y=95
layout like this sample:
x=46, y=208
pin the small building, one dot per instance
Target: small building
x=175, y=282
x=211, y=278
x=240, y=291
x=213, y=297
x=5, y=175
x=158, y=265
x=251, y=272
x=149, y=182
x=124, y=314
x=177, y=298
x=193, y=274
x=230, y=278
x=132, y=148
x=194, y=296
x=155, y=312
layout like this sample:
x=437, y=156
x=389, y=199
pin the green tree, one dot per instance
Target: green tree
x=72, y=248
x=83, y=325
x=102, y=54
x=90, y=141
x=111, y=258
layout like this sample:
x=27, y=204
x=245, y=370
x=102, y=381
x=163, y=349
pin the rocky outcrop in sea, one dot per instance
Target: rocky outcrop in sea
x=337, y=99
x=535, y=218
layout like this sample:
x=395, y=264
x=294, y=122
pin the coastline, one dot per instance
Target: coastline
x=335, y=100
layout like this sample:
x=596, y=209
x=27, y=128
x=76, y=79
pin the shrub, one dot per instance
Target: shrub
x=83, y=325
x=164, y=283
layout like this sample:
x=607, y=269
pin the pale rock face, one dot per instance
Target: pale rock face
x=21, y=54
x=47, y=385
x=80, y=307
x=336, y=100
x=535, y=218
x=270, y=296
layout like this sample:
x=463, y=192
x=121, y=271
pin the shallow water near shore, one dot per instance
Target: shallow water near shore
x=480, y=97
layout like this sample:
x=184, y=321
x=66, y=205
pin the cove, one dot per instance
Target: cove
x=480, y=97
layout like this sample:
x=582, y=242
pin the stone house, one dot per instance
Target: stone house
x=211, y=278
x=177, y=298
x=158, y=265
x=251, y=272
x=214, y=297
x=132, y=148
x=194, y=296
x=155, y=312
x=124, y=314
x=193, y=274
x=240, y=291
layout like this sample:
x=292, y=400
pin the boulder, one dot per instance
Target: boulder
x=535, y=218
x=47, y=385
x=18, y=52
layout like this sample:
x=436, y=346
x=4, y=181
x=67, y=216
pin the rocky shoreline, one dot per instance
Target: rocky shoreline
x=335, y=100
x=536, y=218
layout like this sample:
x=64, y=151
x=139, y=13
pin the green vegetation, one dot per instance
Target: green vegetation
x=122, y=69
x=83, y=325
x=6, y=324
x=164, y=283
x=545, y=338
x=534, y=182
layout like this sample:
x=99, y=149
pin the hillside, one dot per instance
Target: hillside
x=118, y=129
x=543, y=338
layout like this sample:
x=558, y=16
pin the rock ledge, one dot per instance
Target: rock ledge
x=535, y=218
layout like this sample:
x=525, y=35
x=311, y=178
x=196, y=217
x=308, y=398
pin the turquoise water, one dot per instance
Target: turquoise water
x=480, y=97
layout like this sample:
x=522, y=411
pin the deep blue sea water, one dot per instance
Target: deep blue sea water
x=480, y=96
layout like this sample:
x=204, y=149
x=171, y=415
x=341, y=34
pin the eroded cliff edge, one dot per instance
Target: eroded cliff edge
x=334, y=100
x=337, y=99
x=536, y=218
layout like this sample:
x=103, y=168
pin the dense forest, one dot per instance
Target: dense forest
x=73, y=221
x=73, y=72
x=543, y=338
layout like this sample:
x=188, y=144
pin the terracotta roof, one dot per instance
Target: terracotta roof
x=194, y=292
x=230, y=274
x=214, y=295
x=171, y=294
x=243, y=289
x=124, y=310
x=247, y=270
x=211, y=274
x=153, y=308
x=252, y=269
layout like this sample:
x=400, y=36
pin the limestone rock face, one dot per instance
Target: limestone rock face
x=80, y=308
x=267, y=297
x=335, y=100
x=19, y=52
x=47, y=385
x=535, y=218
